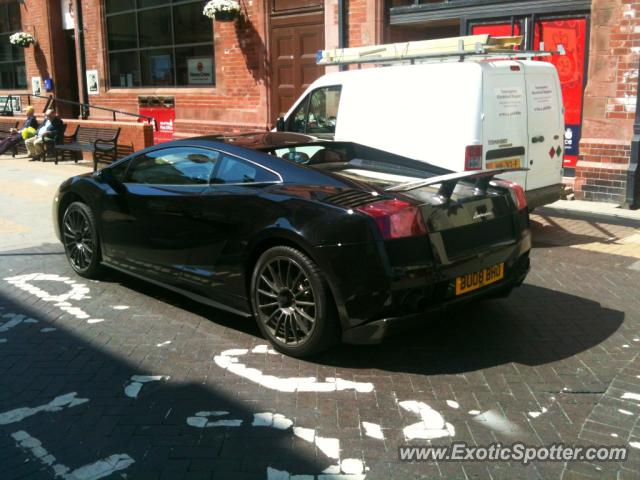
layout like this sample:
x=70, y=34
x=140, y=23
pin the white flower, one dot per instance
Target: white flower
x=22, y=39
x=214, y=6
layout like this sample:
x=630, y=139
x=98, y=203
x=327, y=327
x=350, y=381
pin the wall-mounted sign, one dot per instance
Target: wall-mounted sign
x=36, y=86
x=13, y=104
x=93, y=82
x=200, y=71
x=66, y=8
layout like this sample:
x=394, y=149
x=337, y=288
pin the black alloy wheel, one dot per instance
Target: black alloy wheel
x=292, y=303
x=80, y=240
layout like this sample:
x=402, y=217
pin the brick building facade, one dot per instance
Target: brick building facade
x=143, y=56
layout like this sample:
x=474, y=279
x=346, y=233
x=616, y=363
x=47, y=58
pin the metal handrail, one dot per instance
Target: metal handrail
x=85, y=107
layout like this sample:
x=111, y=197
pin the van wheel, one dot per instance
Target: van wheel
x=80, y=238
x=292, y=303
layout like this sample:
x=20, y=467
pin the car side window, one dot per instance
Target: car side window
x=174, y=166
x=234, y=170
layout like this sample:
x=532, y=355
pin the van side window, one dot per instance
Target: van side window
x=298, y=121
x=317, y=113
x=323, y=110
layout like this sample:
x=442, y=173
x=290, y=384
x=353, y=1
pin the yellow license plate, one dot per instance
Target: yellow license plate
x=473, y=281
x=506, y=163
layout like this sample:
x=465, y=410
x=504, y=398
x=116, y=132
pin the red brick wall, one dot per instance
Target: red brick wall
x=133, y=136
x=237, y=102
x=609, y=101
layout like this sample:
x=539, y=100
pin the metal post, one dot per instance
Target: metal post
x=84, y=110
x=342, y=34
x=632, y=195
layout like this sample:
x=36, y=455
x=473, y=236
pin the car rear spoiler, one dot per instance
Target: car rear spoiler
x=449, y=181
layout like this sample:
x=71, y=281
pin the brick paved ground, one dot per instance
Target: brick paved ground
x=556, y=362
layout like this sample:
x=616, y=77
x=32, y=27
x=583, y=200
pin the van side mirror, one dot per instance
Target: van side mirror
x=280, y=125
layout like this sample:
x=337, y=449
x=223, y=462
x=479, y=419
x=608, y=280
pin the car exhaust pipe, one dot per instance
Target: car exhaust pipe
x=415, y=301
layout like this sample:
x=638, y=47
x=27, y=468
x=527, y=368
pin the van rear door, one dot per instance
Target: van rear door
x=545, y=125
x=504, y=125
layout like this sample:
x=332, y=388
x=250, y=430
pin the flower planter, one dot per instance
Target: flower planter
x=22, y=39
x=226, y=16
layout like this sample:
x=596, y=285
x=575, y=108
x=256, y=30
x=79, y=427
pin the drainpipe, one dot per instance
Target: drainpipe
x=631, y=200
x=84, y=111
x=342, y=34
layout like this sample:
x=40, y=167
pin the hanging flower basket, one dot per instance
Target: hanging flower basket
x=222, y=10
x=22, y=39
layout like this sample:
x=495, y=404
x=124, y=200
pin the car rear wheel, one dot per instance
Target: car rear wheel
x=80, y=238
x=292, y=302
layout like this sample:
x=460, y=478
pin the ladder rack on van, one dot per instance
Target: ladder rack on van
x=473, y=47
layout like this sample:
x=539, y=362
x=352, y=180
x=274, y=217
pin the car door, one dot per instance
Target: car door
x=149, y=222
x=545, y=126
x=232, y=208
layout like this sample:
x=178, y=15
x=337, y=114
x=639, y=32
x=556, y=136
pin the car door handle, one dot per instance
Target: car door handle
x=538, y=139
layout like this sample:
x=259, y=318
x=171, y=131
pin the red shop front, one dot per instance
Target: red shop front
x=547, y=33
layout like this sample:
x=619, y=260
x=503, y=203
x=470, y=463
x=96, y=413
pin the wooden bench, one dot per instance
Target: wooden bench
x=5, y=131
x=90, y=139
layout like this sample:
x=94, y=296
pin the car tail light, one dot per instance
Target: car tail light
x=473, y=157
x=516, y=191
x=395, y=218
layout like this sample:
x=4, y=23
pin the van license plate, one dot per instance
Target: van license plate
x=506, y=163
x=473, y=281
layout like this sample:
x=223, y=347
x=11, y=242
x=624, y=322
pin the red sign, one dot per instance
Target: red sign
x=571, y=33
x=165, y=119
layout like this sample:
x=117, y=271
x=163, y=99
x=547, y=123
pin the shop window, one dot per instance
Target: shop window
x=159, y=43
x=12, y=70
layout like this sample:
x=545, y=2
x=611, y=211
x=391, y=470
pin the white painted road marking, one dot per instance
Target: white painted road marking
x=133, y=388
x=78, y=291
x=68, y=400
x=201, y=420
x=229, y=361
x=93, y=471
x=373, y=430
x=431, y=425
x=347, y=469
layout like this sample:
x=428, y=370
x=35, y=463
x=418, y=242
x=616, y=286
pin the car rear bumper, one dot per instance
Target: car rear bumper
x=375, y=331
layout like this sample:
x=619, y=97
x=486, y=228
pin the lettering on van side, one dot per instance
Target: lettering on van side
x=541, y=96
x=510, y=101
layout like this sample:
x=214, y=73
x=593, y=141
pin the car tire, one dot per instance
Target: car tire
x=80, y=239
x=287, y=291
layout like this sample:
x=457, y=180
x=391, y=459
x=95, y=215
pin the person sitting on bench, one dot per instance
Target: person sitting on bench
x=48, y=131
x=16, y=135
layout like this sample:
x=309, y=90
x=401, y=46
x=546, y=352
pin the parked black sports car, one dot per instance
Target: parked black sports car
x=317, y=240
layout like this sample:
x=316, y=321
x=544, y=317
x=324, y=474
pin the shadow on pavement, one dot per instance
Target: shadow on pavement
x=534, y=326
x=37, y=367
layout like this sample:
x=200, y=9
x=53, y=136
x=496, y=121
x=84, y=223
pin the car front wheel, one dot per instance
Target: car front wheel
x=80, y=238
x=292, y=302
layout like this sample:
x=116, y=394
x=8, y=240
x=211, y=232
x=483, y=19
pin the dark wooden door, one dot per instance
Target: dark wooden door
x=295, y=40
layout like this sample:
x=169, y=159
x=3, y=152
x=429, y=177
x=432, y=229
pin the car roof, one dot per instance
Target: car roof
x=261, y=140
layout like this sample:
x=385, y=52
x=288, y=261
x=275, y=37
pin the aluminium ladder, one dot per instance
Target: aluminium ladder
x=473, y=47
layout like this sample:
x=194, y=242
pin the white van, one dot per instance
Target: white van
x=461, y=116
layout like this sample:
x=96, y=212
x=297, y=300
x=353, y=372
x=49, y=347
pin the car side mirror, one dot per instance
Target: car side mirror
x=280, y=125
